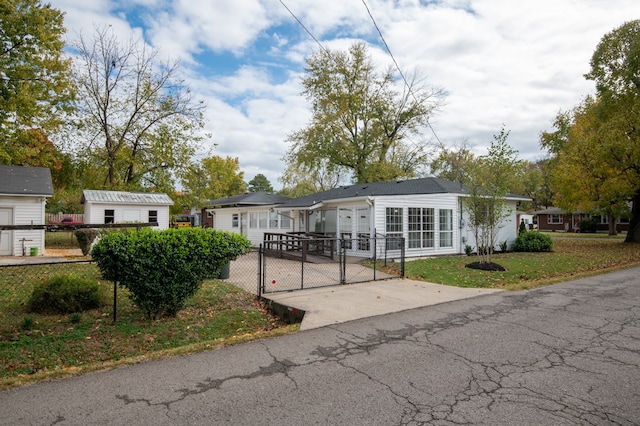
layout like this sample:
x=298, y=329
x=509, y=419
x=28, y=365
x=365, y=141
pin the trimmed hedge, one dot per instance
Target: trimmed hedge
x=162, y=269
x=532, y=241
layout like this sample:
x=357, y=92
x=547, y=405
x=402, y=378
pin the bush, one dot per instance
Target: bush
x=65, y=294
x=589, y=225
x=532, y=241
x=162, y=269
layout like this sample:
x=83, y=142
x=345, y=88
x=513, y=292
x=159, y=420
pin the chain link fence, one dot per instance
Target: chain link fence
x=259, y=272
x=285, y=266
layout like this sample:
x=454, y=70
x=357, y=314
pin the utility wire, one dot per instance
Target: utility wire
x=375, y=24
x=305, y=28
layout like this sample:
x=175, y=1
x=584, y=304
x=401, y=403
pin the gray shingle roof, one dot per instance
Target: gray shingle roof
x=428, y=185
x=18, y=180
x=249, y=199
x=122, y=197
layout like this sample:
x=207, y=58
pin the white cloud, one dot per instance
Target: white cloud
x=501, y=62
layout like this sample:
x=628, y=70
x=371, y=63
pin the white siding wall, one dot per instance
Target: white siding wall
x=223, y=220
x=508, y=230
x=26, y=211
x=94, y=213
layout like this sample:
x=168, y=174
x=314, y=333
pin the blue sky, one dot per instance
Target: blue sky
x=501, y=62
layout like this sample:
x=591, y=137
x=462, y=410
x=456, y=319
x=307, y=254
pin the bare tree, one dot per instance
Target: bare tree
x=138, y=122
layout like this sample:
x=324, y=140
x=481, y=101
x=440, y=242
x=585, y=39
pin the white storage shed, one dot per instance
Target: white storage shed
x=126, y=207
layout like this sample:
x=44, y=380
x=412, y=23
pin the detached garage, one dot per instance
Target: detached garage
x=23, y=196
x=126, y=207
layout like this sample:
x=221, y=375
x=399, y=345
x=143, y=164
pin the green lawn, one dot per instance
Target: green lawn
x=572, y=257
x=35, y=347
x=39, y=347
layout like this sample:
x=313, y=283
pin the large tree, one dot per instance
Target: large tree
x=453, y=163
x=615, y=68
x=213, y=177
x=599, y=141
x=259, y=183
x=35, y=83
x=363, y=121
x=139, y=123
x=299, y=180
x=585, y=174
x=535, y=183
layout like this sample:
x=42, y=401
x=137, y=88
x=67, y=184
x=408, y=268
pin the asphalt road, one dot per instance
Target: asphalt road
x=567, y=354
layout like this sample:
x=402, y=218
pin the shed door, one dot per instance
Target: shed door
x=6, y=237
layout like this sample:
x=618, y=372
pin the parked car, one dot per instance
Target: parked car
x=67, y=221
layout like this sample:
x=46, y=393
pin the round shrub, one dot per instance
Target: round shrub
x=65, y=294
x=162, y=269
x=533, y=241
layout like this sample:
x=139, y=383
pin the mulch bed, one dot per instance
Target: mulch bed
x=485, y=266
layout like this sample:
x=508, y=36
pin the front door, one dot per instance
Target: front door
x=355, y=229
x=363, y=230
x=345, y=221
x=6, y=237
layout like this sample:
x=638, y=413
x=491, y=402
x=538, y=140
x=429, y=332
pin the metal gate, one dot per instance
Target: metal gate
x=301, y=263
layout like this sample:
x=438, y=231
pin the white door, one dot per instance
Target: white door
x=363, y=231
x=345, y=221
x=6, y=237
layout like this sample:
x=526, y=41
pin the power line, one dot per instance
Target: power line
x=305, y=28
x=375, y=24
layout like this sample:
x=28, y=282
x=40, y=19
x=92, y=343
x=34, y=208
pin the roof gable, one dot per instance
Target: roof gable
x=18, y=180
x=122, y=197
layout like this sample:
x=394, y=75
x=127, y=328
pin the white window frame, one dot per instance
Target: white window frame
x=559, y=217
x=445, y=225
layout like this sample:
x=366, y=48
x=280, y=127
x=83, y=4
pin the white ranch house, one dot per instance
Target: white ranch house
x=428, y=212
x=23, y=196
x=126, y=207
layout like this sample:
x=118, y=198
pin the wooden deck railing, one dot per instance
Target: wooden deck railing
x=299, y=244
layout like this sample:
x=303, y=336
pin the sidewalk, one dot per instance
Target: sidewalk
x=332, y=305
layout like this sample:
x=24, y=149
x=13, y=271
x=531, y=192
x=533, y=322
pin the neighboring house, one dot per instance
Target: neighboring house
x=23, y=196
x=251, y=214
x=429, y=213
x=126, y=207
x=525, y=217
x=556, y=220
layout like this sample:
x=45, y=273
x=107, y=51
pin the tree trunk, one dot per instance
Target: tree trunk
x=633, y=234
x=611, y=220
